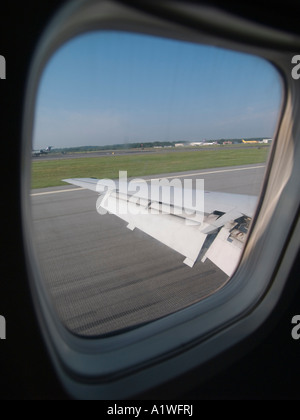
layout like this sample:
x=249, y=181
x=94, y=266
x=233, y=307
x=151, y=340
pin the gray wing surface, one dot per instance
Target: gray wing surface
x=214, y=227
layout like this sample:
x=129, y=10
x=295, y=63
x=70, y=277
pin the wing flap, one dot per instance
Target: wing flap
x=169, y=229
x=224, y=253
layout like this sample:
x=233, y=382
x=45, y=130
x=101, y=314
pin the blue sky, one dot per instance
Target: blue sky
x=111, y=87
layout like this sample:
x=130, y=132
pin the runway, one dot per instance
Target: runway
x=128, y=152
x=102, y=277
x=104, y=153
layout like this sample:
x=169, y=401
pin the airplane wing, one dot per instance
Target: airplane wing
x=211, y=225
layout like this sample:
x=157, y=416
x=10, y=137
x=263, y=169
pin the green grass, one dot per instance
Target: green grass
x=50, y=173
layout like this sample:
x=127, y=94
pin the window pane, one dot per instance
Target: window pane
x=171, y=113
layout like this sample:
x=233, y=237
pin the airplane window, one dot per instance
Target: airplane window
x=147, y=162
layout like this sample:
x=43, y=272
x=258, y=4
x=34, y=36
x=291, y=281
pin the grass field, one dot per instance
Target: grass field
x=50, y=173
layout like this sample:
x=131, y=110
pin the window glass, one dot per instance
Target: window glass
x=164, y=146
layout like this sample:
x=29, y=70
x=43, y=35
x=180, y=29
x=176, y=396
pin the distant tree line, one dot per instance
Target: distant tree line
x=142, y=145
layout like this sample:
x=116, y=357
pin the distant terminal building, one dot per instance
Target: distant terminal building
x=203, y=143
x=179, y=145
x=267, y=141
x=196, y=143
